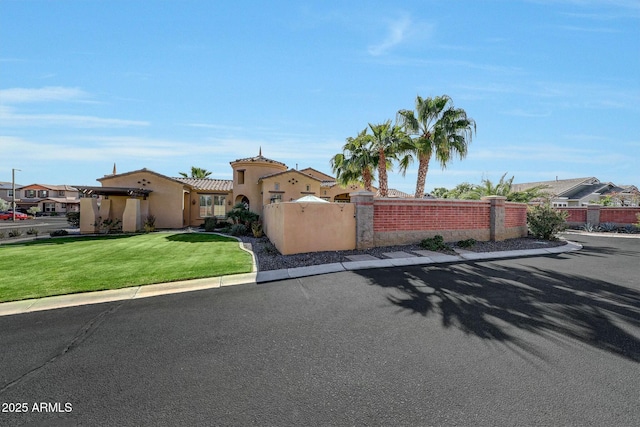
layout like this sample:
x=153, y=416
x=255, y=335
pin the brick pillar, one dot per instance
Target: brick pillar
x=497, y=231
x=593, y=214
x=364, y=218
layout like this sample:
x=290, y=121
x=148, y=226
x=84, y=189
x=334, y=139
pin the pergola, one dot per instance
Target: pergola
x=113, y=191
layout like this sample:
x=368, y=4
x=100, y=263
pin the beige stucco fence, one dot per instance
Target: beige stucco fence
x=310, y=227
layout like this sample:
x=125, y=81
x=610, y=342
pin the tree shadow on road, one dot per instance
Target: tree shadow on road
x=489, y=301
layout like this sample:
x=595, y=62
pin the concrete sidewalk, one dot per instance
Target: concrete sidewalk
x=50, y=303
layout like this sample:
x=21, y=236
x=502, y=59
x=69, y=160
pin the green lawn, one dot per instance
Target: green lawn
x=80, y=264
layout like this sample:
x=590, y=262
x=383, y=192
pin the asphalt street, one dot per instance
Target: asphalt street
x=551, y=340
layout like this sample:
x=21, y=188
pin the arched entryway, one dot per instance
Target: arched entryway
x=244, y=200
x=342, y=198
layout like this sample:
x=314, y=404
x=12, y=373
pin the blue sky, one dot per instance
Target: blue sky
x=554, y=86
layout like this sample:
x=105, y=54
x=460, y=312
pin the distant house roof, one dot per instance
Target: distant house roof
x=393, y=193
x=48, y=187
x=8, y=185
x=208, y=184
x=579, y=189
x=559, y=187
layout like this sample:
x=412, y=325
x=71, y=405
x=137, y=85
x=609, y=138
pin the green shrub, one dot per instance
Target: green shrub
x=73, y=218
x=608, y=227
x=15, y=233
x=58, y=233
x=33, y=232
x=466, y=243
x=109, y=226
x=2, y=235
x=210, y=223
x=239, y=214
x=545, y=222
x=238, y=230
x=256, y=229
x=435, y=243
x=150, y=223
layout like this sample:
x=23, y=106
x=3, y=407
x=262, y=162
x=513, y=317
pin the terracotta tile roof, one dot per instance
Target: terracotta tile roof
x=208, y=184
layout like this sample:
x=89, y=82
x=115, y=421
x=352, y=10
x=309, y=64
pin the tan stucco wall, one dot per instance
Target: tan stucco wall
x=131, y=218
x=310, y=227
x=165, y=201
x=332, y=192
x=293, y=185
x=88, y=215
x=251, y=189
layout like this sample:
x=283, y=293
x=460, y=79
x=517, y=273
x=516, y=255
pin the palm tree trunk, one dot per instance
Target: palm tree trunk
x=423, y=168
x=366, y=177
x=382, y=174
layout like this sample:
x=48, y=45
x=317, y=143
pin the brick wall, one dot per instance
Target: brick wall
x=403, y=221
x=405, y=215
x=577, y=215
x=515, y=215
x=619, y=215
x=596, y=214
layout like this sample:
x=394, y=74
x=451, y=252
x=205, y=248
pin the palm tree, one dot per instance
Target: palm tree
x=196, y=173
x=357, y=161
x=440, y=130
x=504, y=188
x=390, y=142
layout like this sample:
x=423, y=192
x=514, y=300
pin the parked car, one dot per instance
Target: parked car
x=9, y=215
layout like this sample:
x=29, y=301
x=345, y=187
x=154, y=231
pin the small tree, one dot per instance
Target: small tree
x=545, y=222
x=4, y=205
x=73, y=218
x=33, y=210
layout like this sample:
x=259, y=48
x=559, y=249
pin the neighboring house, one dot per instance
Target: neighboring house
x=180, y=202
x=6, y=191
x=582, y=191
x=50, y=199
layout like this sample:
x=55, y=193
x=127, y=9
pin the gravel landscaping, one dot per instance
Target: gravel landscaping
x=269, y=258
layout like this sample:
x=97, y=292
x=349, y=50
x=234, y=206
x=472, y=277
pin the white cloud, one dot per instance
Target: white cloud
x=397, y=30
x=397, y=33
x=9, y=118
x=45, y=94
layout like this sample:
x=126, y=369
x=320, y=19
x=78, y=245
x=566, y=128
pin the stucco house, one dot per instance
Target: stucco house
x=180, y=202
x=50, y=199
x=582, y=191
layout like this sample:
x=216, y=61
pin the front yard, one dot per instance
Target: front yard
x=81, y=264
